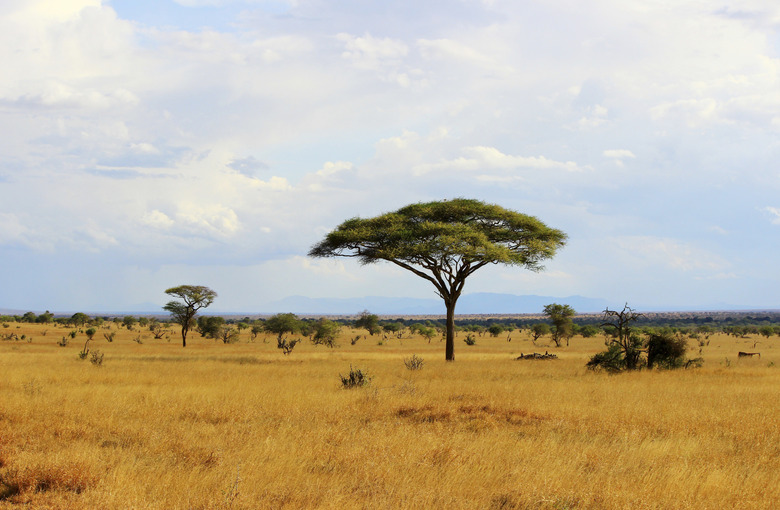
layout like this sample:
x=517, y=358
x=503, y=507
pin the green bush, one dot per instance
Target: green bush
x=665, y=350
x=612, y=360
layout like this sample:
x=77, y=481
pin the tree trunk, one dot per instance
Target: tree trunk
x=183, y=337
x=450, y=345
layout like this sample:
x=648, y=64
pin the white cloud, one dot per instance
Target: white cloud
x=618, y=155
x=670, y=253
x=247, y=141
x=774, y=211
x=489, y=158
x=157, y=219
x=369, y=52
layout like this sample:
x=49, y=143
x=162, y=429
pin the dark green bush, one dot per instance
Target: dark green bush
x=665, y=350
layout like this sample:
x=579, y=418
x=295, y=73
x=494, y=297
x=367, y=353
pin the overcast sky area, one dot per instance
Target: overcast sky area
x=152, y=143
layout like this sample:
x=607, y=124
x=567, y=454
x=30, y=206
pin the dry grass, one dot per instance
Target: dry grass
x=242, y=426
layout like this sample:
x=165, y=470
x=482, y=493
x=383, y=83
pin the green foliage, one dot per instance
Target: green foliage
x=495, y=330
x=129, y=321
x=79, y=319
x=666, y=351
x=393, y=327
x=211, y=326
x=612, y=360
x=444, y=242
x=369, y=322
x=45, y=318
x=257, y=328
x=64, y=342
x=228, y=334
x=470, y=340
x=355, y=379
x=90, y=333
x=588, y=331
x=619, y=325
x=560, y=315
x=193, y=298
x=281, y=325
x=325, y=332
x=539, y=330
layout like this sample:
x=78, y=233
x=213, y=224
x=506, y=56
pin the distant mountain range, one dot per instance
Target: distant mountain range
x=468, y=304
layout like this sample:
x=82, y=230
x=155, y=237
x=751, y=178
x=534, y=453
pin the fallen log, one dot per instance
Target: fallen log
x=536, y=355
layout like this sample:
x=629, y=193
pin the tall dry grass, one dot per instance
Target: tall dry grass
x=242, y=426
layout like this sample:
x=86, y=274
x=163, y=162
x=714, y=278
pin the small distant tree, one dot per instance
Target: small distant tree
x=157, y=329
x=78, y=319
x=369, y=322
x=281, y=325
x=495, y=330
x=625, y=344
x=560, y=315
x=588, y=331
x=228, y=334
x=394, y=328
x=129, y=321
x=665, y=350
x=193, y=298
x=257, y=328
x=538, y=330
x=45, y=318
x=210, y=327
x=766, y=331
x=28, y=317
x=325, y=332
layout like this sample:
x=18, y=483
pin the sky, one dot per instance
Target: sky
x=146, y=144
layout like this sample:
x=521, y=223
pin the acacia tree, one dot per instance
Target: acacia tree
x=194, y=298
x=369, y=322
x=560, y=315
x=445, y=242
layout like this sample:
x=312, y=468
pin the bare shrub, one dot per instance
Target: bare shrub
x=355, y=378
x=414, y=363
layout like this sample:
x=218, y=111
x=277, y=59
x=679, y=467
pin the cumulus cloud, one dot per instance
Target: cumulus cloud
x=489, y=158
x=249, y=166
x=774, y=211
x=247, y=141
x=618, y=155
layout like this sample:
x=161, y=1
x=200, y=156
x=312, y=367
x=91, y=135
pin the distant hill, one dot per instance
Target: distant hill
x=468, y=304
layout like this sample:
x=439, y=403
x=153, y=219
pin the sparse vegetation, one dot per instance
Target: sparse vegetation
x=528, y=434
x=414, y=363
x=355, y=378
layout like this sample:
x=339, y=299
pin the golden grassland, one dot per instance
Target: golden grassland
x=242, y=426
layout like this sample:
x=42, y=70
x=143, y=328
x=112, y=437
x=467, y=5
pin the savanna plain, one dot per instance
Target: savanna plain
x=241, y=425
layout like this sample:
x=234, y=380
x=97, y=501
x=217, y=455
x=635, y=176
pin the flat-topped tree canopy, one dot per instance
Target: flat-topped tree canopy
x=444, y=242
x=194, y=298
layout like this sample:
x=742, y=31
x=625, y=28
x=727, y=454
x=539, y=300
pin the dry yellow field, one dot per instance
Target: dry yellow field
x=242, y=426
